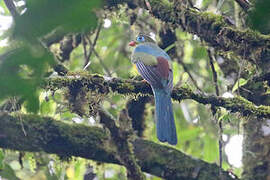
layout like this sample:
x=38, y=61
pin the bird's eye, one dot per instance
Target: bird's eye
x=140, y=38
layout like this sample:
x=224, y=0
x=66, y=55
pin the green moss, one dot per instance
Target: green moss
x=211, y=17
x=128, y=86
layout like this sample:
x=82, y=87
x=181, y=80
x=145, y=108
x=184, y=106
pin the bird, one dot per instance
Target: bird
x=154, y=65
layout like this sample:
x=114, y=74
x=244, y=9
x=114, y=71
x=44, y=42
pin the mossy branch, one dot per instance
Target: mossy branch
x=104, y=85
x=216, y=30
x=56, y=137
x=121, y=137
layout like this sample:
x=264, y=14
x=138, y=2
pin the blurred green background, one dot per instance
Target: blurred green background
x=27, y=57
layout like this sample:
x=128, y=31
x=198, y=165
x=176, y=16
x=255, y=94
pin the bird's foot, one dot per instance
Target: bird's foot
x=144, y=81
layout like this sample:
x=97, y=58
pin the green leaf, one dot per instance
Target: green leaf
x=3, y=5
x=210, y=149
x=22, y=68
x=239, y=83
x=43, y=16
x=225, y=117
x=169, y=47
x=190, y=134
x=1, y=159
x=79, y=169
x=47, y=107
x=8, y=173
x=199, y=52
x=258, y=18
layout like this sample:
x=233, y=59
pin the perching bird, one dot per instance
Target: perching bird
x=154, y=65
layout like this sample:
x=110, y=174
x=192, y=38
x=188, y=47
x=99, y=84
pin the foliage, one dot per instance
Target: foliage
x=27, y=60
x=259, y=17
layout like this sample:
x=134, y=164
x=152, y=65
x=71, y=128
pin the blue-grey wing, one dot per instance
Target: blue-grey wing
x=153, y=76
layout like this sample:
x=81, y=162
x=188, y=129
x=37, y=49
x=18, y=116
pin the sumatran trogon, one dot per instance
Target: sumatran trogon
x=154, y=65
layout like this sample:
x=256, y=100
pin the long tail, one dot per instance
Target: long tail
x=166, y=130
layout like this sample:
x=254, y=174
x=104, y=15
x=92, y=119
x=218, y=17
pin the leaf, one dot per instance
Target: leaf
x=79, y=169
x=1, y=160
x=199, y=52
x=210, y=149
x=47, y=107
x=22, y=68
x=8, y=173
x=169, y=47
x=239, y=83
x=190, y=134
x=225, y=117
x=258, y=18
x=43, y=16
x=5, y=9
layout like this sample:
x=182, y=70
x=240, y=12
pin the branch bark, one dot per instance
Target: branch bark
x=56, y=137
x=105, y=85
x=121, y=136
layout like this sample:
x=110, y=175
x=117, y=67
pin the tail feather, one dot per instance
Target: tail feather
x=166, y=131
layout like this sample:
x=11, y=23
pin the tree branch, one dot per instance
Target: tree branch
x=105, y=85
x=55, y=137
x=121, y=137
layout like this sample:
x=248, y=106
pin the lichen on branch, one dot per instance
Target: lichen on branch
x=105, y=85
x=67, y=139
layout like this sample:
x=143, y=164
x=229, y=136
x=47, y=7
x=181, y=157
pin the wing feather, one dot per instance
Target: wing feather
x=152, y=75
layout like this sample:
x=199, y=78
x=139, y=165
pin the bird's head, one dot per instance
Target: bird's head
x=141, y=38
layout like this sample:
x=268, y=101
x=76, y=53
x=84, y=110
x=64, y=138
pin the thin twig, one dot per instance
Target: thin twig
x=84, y=47
x=86, y=64
x=240, y=64
x=14, y=104
x=190, y=75
x=103, y=64
x=213, y=71
x=11, y=7
x=220, y=146
x=108, y=73
x=216, y=112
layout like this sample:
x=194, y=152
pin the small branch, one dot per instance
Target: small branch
x=45, y=134
x=105, y=85
x=12, y=8
x=190, y=75
x=220, y=145
x=108, y=73
x=84, y=47
x=211, y=61
x=92, y=47
x=216, y=112
x=121, y=139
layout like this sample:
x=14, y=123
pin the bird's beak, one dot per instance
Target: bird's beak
x=132, y=43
